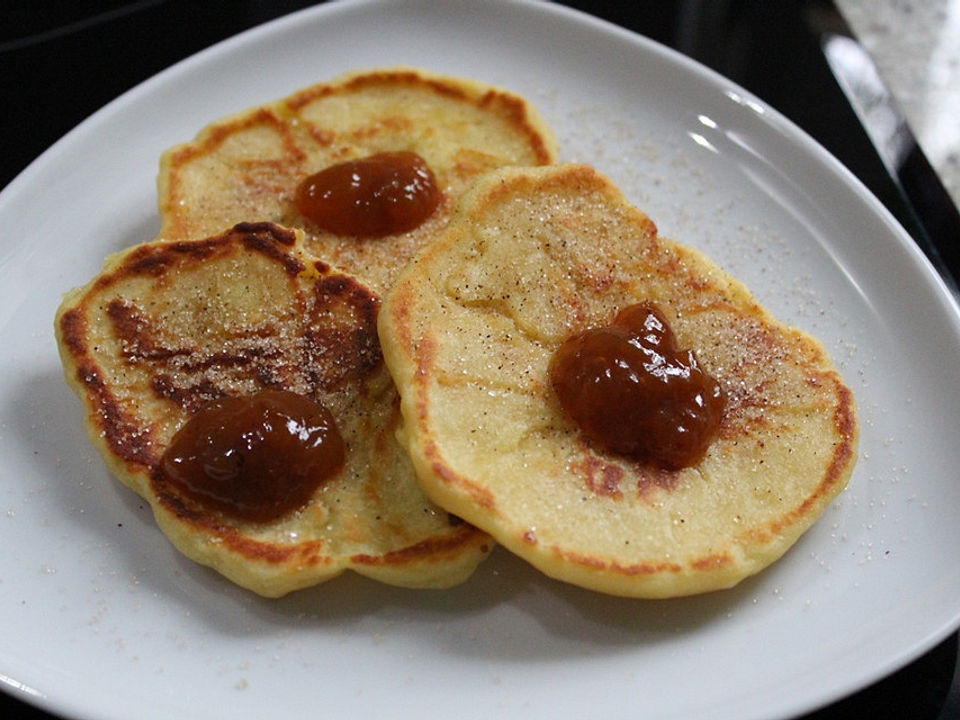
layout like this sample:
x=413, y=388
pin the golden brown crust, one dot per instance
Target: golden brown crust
x=247, y=167
x=168, y=326
x=534, y=255
x=517, y=111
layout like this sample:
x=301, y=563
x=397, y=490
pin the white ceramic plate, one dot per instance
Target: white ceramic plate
x=103, y=619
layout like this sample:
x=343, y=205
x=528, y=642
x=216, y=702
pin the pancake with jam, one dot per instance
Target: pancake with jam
x=237, y=384
x=608, y=404
x=369, y=165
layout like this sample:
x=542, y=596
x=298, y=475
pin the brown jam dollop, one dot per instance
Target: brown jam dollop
x=382, y=194
x=632, y=391
x=257, y=457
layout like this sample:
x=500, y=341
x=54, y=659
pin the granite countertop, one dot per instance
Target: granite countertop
x=915, y=46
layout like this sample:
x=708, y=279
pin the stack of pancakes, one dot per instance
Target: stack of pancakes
x=431, y=349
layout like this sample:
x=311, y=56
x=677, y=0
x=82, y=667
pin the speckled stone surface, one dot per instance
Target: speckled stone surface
x=915, y=45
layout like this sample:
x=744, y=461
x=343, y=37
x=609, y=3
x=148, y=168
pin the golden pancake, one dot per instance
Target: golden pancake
x=533, y=256
x=167, y=327
x=247, y=167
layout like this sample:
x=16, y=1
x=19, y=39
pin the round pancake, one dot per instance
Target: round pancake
x=532, y=256
x=247, y=167
x=168, y=326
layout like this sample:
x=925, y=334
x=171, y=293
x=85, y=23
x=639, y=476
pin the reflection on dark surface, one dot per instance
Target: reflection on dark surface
x=60, y=61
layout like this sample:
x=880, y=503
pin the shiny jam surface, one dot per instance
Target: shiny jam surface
x=257, y=457
x=377, y=195
x=632, y=391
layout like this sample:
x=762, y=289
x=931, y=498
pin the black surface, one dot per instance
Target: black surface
x=60, y=61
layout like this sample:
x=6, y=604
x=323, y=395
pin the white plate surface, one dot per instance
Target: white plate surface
x=103, y=619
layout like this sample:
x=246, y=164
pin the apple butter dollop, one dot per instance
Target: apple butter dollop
x=373, y=196
x=632, y=391
x=257, y=457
